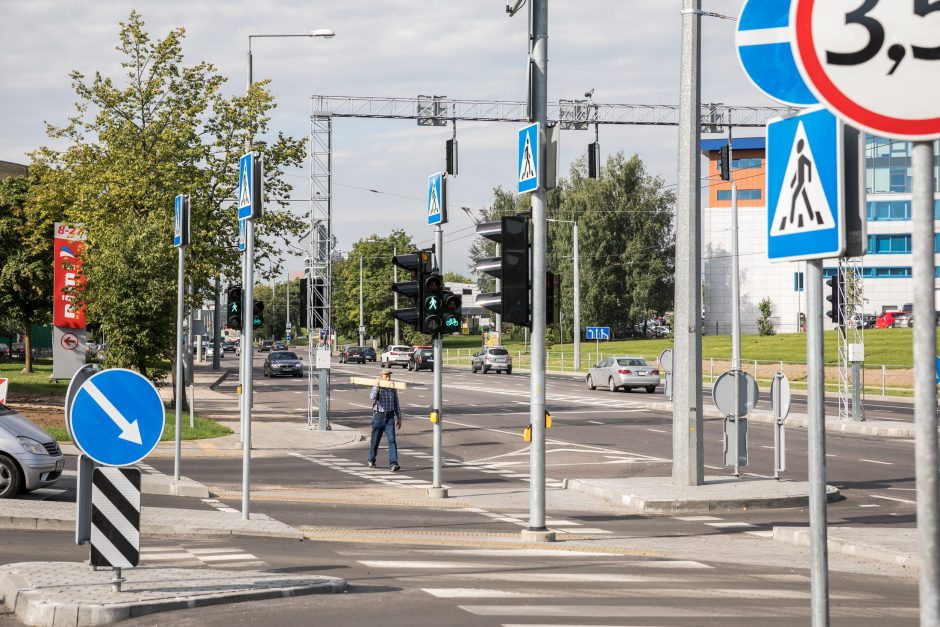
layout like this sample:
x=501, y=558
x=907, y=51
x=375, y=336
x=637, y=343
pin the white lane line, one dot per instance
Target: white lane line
x=869, y=505
x=356, y=405
x=891, y=498
x=905, y=489
x=695, y=518
x=731, y=525
x=227, y=558
x=213, y=551
x=480, y=593
x=167, y=556
x=874, y=461
x=420, y=564
x=657, y=431
x=595, y=422
x=713, y=467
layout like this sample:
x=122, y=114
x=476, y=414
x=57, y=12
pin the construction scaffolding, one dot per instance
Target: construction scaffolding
x=851, y=339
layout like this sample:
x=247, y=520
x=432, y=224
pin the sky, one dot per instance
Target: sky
x=627, y=51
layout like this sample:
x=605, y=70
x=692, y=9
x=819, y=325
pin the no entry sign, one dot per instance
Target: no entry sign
x=873, y=62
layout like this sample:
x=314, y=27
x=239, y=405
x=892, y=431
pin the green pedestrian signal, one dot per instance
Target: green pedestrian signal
x=234, y=318
x=432, y=305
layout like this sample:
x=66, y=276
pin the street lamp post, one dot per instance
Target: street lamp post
x=362, y=328
x=576, y=280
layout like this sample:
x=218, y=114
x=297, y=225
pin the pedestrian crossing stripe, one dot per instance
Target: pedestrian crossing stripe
x=804, y=207
x=527, y=167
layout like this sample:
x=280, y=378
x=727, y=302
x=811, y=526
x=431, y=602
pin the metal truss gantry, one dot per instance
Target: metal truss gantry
x=851, y=376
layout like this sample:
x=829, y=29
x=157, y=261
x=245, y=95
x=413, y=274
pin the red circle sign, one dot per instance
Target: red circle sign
x=69, y=341
x=875, y=64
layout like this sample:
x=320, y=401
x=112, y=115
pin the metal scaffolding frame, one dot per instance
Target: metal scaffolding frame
x=851, y=300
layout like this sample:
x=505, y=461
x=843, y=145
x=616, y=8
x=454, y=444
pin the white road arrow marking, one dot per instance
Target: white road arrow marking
x=129, y=430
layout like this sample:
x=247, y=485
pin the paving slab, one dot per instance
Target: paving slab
x=69, y=593
x=890, y=545
x=658, y=495
x=162, y=521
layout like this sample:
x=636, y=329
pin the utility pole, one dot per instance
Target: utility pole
x=437, y=490
x=395, y=296
x=362, y=328
x=735, y=309
x=688, y=467
x=287, y=325
x=217, y=325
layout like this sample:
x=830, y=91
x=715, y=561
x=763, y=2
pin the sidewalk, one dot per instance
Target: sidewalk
x=890, y=545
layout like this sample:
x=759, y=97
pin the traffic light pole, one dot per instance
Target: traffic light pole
x=395, y=297
x=437, y=490
x=247, y=354
x=180, y=306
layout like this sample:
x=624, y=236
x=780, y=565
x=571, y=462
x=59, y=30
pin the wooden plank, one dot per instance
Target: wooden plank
x=367, y=381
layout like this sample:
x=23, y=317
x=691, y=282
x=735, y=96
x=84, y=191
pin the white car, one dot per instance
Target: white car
x=623, y=373
x=395, y=356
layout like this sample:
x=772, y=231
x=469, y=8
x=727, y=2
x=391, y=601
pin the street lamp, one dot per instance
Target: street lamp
x=325, y=33
x=577, y=293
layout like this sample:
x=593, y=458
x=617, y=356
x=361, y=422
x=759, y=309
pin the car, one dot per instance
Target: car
x=421, y=358
x=396, y=355
x=4, y=351
x=492, y=358
x=279, y=346
x=18, y=351
x=369, y=353
x=209, y=350
x=352, y=353
x=623, y=373
x=283, y=363
x=30, y=458
x=265, y=346
x=892, y=319
x=229, y=346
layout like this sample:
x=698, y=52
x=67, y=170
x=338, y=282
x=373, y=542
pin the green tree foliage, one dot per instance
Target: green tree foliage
x=456, y=277
x=765, y=323
x=132, y=145
x=26, y=268
x=626, y=243
x=275, y=310
x=504, y=204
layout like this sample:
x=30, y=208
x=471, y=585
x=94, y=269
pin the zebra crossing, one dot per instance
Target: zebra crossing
x=599, y=400
x=481, y=466
x=563, y=588
x=199, y=555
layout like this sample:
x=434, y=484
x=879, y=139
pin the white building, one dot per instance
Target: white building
x=886, y=267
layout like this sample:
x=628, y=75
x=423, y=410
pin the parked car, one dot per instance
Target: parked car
x=352, y=353
x=4, y=351
x=421, y=358
x=396, y=355
x=30, y=458
x=265, y=346
x=492, y=358
x=892, y=319
x=18, y=351
x=280, y=346
x=283, y=363
x=623, y=373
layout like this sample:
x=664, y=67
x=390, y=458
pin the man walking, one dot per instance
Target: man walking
x=386, y=416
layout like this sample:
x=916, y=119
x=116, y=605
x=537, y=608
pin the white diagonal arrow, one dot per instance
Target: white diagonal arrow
x=129, y=430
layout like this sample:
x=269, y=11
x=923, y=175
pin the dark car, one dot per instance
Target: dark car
x=18, y=351
x=353, y=353
x=229, y=347
x=421, y=359
x=369, y=352
x=4, y=351
x=283, y=363
x=279, y=346
x=265, y=346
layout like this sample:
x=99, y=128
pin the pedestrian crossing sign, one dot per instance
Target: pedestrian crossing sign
x=529, y=151
x=805, y=195
x=437, y=209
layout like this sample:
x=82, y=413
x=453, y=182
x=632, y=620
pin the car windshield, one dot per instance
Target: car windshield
x=628, y=361
x=283, y=355
x=498, y=351
x=353, y=349
x=400, y=349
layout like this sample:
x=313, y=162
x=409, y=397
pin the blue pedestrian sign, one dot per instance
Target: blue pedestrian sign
x=529, y=153
x=805, y=206
x=242, y=234
x=246, y=187
x=597, y=333
x=117, y=417
x=181, y=221
x=437, y=199
x=763, y=45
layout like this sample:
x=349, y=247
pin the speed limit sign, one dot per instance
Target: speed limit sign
x=875, y=63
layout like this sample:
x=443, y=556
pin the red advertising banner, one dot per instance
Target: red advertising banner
x=67, y=244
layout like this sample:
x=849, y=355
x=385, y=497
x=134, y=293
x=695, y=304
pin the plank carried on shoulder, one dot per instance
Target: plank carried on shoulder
x=367, y=381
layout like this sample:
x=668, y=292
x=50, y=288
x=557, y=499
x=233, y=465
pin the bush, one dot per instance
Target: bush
x=765, y=323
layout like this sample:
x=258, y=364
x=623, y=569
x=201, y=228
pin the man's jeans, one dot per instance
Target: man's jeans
x=383, y=423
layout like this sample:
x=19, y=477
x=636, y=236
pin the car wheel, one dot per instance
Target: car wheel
x=474, y=370
x=11, y=479
x=610, y=385
x=590, y=383
x=508, y=370
x=650, y=389
x=485, y=369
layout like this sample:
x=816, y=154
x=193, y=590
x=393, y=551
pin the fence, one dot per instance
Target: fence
x=876, y=379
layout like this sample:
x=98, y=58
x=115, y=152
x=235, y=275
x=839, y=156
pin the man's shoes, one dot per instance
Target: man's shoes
x=371, y=464
x=394, y=467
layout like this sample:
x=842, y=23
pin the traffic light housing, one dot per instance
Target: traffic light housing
x=417, y=265
x=233, y=308
x=432, y=304
x=552, y=298
x=257, y=314
x=453, y=312
x=512, y=267
x=724, y=156
x=594, y=160
x=836, y=314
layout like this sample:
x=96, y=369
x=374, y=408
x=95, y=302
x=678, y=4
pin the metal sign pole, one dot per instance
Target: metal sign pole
x=190, y=362
x=816, y=413
x=437, y=405
x=577, y=301
x=925, y=389
x=247, y=326
x=735, y=315
x=180, y=305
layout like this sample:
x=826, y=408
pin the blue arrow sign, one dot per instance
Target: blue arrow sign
x=246, y=175
x=436, y=210
x=529, y=154
x=763, y=45
x=117, y=417
x=805, y=213
x=597, y=333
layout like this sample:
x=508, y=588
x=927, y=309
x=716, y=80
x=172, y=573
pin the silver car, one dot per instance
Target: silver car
x=495, y=358
x=623, y=373
x=29, y=457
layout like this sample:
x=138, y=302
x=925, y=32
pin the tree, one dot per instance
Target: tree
x=26, y=264
x=133, y=144
x=504, y=204
x=765, y=323
x=456, y=277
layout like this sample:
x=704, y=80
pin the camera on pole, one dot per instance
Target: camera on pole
x=512, y=267
x=233, y=317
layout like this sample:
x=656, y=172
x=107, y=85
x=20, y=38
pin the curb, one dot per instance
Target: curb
x=799, y=536
x=34, y=523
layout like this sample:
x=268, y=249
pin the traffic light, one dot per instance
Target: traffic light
x=512, y=266
x=417, y=264
x=257, y=314
x=552, y=298
x=594, y=160
x=724, y=162
x=233, y=314
x=432, y=304
x=451, y=157
x=453, y=312
x=836, y=314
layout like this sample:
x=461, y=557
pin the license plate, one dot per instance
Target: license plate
x=60, y=464
x=642, y=373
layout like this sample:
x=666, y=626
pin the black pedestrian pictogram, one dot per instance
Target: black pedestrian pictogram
x=803, y=176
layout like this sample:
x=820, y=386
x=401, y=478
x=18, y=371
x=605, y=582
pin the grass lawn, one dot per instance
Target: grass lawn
x=36, y=384
x=53, y=421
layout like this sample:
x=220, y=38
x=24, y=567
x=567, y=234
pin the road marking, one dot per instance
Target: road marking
x=874, y=461
x=713, y=467
x=731, y=525
x=595, y=422
x=428, y=565
x=657, y=431
x=356, y=405
x=905, y=489
x=695, y=518
x=868, y=505
x=479, y=593
x=891, y=498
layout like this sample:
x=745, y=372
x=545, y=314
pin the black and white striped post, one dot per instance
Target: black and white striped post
x=115, y=520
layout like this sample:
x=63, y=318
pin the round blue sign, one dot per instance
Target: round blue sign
x=117, y=417
x=763, y=45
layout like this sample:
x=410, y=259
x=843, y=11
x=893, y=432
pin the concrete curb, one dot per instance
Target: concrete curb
x=41, y=603
x=799, y=536
x=35, y=523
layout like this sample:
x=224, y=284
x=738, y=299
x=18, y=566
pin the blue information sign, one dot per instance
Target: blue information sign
x=117, y=417
x=181, y=221
x=763, y=45
x=529, y=155
x=597, y=333
x=805, y=207
x=246, y=182
x=242, y=234
x=436, y=199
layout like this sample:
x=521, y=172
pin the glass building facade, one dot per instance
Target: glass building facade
x=888, y=166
